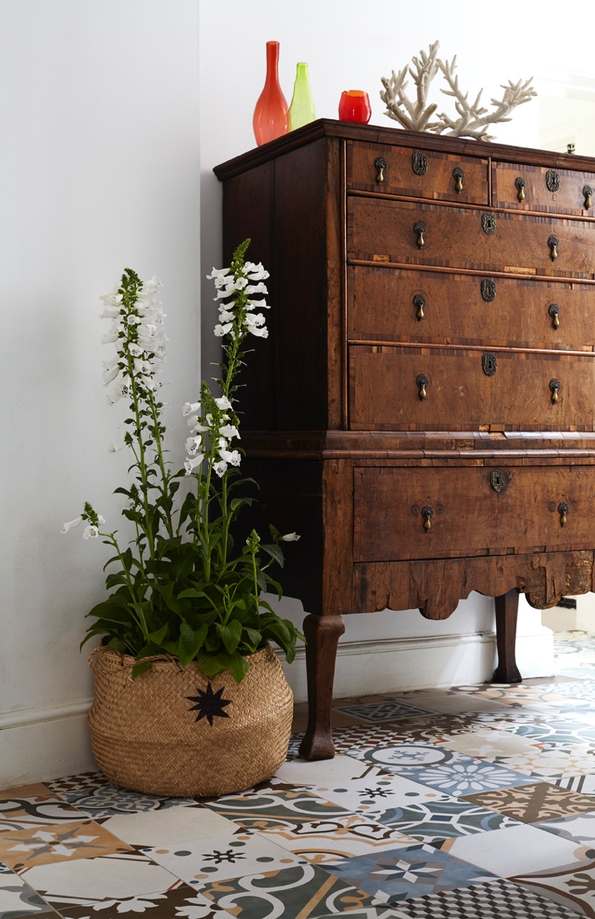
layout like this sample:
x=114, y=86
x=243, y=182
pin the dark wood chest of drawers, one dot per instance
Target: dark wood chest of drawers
x=423, y=412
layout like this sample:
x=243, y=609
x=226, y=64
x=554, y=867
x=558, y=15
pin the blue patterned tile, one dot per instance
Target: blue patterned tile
x=402, y=874
x=435, y=821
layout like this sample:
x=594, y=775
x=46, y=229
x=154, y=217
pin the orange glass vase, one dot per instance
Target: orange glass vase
x=270, y=119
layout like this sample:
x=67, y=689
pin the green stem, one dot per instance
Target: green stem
x=165, y=475
x=136, y=606
x=142, y=464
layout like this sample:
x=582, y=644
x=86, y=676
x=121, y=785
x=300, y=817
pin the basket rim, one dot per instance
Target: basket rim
x=166, y=663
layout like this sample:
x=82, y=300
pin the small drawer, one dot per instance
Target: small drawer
x=452, y=237
x=538, y=188
x=464, y=389
x=445, y=512
x=409, y=305
x=420, y=173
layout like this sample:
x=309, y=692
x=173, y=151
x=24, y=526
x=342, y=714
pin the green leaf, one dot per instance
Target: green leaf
x=275, y=552
x=140, y=667
x=190, y=642
x=230, y=635
x=214, y=664
x=158, y=636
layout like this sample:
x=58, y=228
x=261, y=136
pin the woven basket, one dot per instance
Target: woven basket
x=168, y=732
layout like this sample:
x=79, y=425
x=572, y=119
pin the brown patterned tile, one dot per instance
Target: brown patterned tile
x=43, y=845
x=531, y=803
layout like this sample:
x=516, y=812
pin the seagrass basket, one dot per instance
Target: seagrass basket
x=173, y=731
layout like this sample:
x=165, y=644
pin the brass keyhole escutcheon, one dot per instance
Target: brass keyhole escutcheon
x=563, y=512
x=422, y=383
x=381, y=166
x=520, y=185
x=458, y=175
x=419, y=303
x=555, y=391
x=419, y=229
x=489, y=364
x=419, y=163
x=488, y=289
x=488, y=223
x=500, y=480
x=552, y=180
x=554, y=314
x=587, y=197
x=427, y=513
x=553, y=243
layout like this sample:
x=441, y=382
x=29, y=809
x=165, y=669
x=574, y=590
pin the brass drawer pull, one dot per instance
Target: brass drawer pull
x=458, y=175
x=381, y=166
x=555, y=391
x=422, y=383
x=419, y=229
x=488, y=289
x=563, y=511
x=554, y=314
x=588, y=196
x=520, y=185
x=419, y=303
x=427, y=513
x=553, y=243
x=552, y=180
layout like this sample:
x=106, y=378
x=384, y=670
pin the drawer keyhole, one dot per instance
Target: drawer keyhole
x=563, y=512
x=427, y=513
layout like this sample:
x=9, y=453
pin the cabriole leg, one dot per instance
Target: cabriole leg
x=507, y=607
x=322, y=636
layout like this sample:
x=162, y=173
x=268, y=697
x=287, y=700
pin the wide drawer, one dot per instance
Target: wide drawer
x=392, y=304
x=538, y=188
x=429, y=234
x=462, y=389
x=425, y=174
x=443, y=512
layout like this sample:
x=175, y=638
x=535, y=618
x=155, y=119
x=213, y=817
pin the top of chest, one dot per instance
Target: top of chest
x=393, y=162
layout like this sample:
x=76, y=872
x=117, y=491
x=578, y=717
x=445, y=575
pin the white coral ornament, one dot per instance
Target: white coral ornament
x=471, y=119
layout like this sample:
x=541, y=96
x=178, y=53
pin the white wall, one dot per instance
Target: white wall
x=99, y=170
x=350, y=44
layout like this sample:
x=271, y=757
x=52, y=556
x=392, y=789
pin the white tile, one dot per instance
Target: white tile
x=374, y=796
x=515, y=850
x=170, y=828
x=323, y=773
x=114, y=877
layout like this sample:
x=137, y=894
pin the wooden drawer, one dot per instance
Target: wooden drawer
x=455, y=237
x=464, y=393
x=537, y=188
x=393, y=304
x=425, y=174
x=471, y=511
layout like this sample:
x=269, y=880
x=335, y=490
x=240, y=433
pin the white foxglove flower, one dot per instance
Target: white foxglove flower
x=110, y=312
x=256, y=289
x=190, y=408
x=224, y=294
x=240, y=283
x=233, y=457
x=135, y=349
x=229, y=430
x=223, y=443
x=261, y=304
x=132, y=319
x=218, y=273
x=260, y=333
x=220, y=468
x=225, y=315
x=290, y=537
x=222, y=403
x=110, y=374
x=196, y=427
x=70, y=524
x=193, y=445
x=110, y=337
x=91, y=532
x=255, y=319
x=220, y=330
x=192, y=462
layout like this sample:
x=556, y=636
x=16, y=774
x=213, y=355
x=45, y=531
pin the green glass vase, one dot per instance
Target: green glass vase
x=301, y=110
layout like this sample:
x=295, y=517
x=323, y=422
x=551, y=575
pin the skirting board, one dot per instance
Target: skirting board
x=41, y=744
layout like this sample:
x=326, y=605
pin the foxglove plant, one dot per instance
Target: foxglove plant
x=184, y=587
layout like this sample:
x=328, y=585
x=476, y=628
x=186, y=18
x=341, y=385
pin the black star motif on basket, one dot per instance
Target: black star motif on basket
x=210, y=704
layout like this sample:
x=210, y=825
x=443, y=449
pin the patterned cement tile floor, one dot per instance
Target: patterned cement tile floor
x=471, y=803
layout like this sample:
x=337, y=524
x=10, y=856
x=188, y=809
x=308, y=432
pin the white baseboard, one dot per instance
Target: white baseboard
x=45, y=743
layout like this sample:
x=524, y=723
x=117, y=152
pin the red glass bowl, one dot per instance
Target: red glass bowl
x=354, y=105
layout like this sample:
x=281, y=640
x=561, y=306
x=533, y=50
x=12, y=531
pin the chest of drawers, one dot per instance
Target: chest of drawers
x=424, y=410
